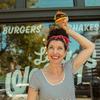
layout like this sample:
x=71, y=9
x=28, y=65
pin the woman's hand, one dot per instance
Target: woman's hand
x=64, y=24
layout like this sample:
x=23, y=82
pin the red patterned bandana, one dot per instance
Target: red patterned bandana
x=66, y=40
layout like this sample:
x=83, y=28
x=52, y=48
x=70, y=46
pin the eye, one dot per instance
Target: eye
x=60, y=48
x=50, y=47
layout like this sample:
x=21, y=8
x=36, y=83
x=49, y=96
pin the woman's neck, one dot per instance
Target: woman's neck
x=55, y=68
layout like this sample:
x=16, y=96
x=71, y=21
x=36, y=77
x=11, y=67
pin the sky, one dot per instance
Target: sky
x=54, y=3
x=63, y=3
x=92, y=2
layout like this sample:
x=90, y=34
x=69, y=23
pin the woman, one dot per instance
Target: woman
x=55, y=82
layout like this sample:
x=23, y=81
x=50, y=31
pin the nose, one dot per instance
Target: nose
x=55, y=51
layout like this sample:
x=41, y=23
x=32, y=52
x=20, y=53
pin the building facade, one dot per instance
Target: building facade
x=23, y=28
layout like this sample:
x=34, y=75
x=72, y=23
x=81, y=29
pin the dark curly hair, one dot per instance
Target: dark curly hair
x=56, y=32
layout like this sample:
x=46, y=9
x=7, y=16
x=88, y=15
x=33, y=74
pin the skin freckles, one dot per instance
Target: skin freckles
x=56, y=51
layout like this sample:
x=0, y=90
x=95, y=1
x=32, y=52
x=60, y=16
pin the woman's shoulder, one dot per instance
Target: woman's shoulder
x=69, y=62
x=68, y=65
x=34, y=80
x=35, y=72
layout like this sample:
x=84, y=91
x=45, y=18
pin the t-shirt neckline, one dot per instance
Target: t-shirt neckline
x=52, y=84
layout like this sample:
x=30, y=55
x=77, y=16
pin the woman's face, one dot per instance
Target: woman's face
x=56, y=51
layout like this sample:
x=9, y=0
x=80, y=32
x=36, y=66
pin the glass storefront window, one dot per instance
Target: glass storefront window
x=92, y=2
x=49, y=3
x=7, y=4
x=26, y=50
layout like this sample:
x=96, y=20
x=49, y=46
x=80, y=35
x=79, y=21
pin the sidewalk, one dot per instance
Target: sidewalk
x=83, y=98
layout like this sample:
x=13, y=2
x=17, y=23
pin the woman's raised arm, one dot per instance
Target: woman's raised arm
x=87, y=48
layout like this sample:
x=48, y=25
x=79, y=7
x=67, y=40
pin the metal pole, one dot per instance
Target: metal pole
x=21, y=3
x=79, y=3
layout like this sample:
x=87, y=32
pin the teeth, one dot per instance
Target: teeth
x=55, y=57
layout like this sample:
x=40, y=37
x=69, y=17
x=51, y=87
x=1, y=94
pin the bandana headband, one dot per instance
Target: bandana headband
x=66, y=40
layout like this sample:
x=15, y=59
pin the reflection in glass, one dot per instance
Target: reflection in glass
x=92, y=2
x=7, y=4
x=49, y=3
x=31, y=3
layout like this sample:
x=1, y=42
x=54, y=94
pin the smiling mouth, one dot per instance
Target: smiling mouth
x=55, y=57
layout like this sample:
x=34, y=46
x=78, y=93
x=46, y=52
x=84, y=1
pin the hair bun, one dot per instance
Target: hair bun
x=57, y=31
x=53, y=26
